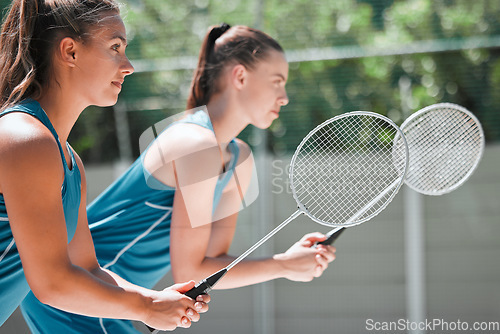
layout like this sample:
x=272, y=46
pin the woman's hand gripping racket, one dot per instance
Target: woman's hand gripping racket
x=446, y=143
x=343, y=173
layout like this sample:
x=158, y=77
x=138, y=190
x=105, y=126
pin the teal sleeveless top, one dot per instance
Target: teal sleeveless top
x=130, y=226
x=13, y=285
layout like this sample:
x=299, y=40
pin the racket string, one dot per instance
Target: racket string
x=444, y=145
x=343, y=166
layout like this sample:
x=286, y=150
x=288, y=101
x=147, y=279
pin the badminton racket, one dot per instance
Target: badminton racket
x=446, y=143
x=343, y=173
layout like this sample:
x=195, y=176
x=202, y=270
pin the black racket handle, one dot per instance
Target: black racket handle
x=331, y=239
x=203, y=287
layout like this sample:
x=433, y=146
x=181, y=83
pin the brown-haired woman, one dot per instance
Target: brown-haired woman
x=177, y=205
x=56, y=58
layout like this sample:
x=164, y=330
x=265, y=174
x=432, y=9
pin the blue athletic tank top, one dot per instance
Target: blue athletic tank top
x=130, y=225
x=13, y=285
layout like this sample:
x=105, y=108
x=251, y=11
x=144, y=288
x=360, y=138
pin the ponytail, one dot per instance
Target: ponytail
x=221, y=46
x=200, y=84
x=29, y=35
x=212, y=36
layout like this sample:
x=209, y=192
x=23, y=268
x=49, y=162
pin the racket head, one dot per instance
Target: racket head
x=349, y=168
x=446, y=143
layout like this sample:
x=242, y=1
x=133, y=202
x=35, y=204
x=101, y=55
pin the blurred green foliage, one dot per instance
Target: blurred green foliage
x=446, y=50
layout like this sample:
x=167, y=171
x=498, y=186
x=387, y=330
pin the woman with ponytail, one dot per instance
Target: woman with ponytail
x=56, y=58
x=176, y=206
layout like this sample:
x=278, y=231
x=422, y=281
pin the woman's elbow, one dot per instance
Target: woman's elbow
x=186, y=273
x=50, y=289
x=47, y=293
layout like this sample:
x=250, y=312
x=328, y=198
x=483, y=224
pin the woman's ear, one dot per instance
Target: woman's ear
x=239, y=76
x=68, y=51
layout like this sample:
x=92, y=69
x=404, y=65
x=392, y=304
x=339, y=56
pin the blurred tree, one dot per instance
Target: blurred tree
x=344, y=55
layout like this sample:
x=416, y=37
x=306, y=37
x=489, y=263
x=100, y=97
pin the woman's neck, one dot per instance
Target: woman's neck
x=226, y=119
x=63, y=111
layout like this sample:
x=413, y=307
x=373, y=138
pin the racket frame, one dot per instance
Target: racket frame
x=446, y=105
x=333, y=234
x=396, y=186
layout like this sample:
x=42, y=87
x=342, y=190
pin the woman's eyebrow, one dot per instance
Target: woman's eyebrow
x=281, y=76
x=120, y=37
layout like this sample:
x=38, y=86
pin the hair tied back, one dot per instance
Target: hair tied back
x=218, y=31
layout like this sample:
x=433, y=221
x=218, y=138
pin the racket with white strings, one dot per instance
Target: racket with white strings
x=446, y=143
x=343, y=173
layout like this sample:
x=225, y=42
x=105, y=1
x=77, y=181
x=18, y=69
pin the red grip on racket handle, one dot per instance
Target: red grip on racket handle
x=203, y=287
x=331, y=239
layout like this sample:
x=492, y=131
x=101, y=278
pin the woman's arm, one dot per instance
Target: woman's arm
x=82, y=253
x=206, y=246
x=31, y=176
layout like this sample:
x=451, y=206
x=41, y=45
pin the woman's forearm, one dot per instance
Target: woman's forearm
x=247, y=272
x=76, y=290
x=301, y=262
x=114, y=279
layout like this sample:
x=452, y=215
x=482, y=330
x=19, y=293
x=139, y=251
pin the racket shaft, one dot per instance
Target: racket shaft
x=264, y=239
x=335, y=233
x=374, y=201
x=207, y=284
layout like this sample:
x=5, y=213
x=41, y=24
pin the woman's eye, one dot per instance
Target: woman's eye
x=116, y=47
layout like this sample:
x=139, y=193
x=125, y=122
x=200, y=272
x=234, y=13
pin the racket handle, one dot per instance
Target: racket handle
x=203, y=287
x=331, y=239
